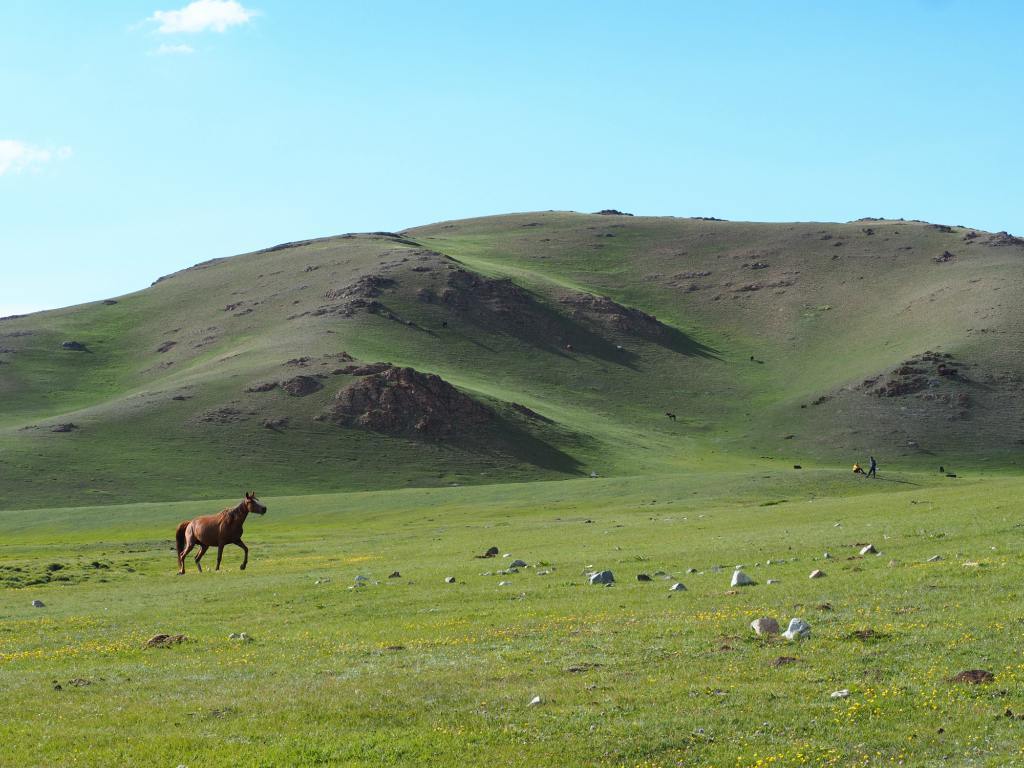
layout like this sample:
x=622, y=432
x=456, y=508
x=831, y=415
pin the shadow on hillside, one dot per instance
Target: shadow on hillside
x=530, y=449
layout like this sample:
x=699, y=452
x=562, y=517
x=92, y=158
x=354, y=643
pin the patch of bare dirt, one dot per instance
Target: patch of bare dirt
x=404, y=401
x=973, y=677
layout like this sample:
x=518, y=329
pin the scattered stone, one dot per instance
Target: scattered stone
x=869, y=550
x=825, y=607
x=492, y=552
x=934, y=559
x=740, y=579
x=449, y=579
x=797, y=630
x=361, y=578
x=642, y=577
x=240, y=636
x=394, y=575
x=841, y=694
x=772, y=581
x=602, y=577
x=535, y=701
x=765, y=626
x=816, y=574
x=973, y=676
x=827, y=556
x=38, y=604
x=691, y=570
x=784, y=660
x=69, y=427
x=79, y=682
x=75, y=346
x=517, y=564
x=504, y=583
x=677, y=587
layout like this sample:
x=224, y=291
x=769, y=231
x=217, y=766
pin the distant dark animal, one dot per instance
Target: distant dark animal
x=568, y=347
x=216, y=530
x=670, y=415
x=444, y=323
x=492, y=552
x=941, y=468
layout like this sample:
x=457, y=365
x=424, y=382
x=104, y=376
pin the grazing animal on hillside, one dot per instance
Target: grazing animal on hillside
x=216, y=531
x=670, y=415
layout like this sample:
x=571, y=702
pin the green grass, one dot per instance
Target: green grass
x=825, y=319
x=414, y=671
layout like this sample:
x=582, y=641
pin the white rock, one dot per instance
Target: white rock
x=449, y=579
x=535, y=701
x=740, y=579
x=507, y=554
x=504, y=583
x=772, y=581
x=827, y=556
x=691, y=570
x=797, y=629
x=869, y=550
x=543, y=573
x=517, y=564
x=842, y=694
x=677, y=587
x=766, y=625
x=602, y=577
x=934, y=558
x=361, y=578
x=234, y=636
x=817, y=575
x=38, y=604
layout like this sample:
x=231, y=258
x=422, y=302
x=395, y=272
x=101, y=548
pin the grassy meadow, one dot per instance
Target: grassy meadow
x=416, y=671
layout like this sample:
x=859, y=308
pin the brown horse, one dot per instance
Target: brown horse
x=216, y=530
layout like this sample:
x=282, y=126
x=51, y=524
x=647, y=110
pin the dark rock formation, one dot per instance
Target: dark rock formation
x=403, y=401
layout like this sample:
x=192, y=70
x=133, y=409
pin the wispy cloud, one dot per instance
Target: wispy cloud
x=203, y=15
x=17, y=156
x=172, y=50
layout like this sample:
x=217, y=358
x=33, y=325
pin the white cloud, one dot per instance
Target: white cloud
x=16, y=156
x=172, y=50
x=203, y=15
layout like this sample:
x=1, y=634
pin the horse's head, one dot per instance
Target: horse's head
x=254, y=505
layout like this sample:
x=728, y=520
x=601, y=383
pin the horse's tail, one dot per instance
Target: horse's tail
x=179, y=536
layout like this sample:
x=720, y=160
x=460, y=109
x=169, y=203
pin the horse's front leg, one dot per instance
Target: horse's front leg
x=200, y=556
x=220, y=554
x=245, y=560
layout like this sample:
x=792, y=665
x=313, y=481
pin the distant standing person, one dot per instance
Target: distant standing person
x=872, y=469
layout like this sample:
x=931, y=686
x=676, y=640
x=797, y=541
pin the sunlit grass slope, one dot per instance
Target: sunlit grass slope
x=769, y=332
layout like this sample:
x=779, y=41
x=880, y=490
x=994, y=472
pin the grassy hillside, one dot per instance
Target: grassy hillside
x=764, y=338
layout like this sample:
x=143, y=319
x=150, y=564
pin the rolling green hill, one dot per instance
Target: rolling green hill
x=567, y=339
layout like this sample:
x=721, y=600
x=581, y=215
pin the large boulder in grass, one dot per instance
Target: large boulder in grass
x=404, y=401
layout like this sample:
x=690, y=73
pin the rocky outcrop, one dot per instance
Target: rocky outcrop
x=608, y=314
x=404, y=401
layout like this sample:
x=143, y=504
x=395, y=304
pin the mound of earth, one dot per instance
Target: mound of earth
x=468, y=291
x=603, y=312
x=926, y=371
x=404, y=401
x=300, y=386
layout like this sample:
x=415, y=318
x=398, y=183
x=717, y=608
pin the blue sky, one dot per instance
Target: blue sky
x=138, y=137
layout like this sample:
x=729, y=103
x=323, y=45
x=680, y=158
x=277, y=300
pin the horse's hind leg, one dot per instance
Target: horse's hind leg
x=245, y=560
x=220, y=554
x=200, y=556
x=183, y=555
